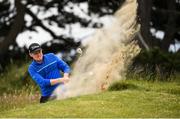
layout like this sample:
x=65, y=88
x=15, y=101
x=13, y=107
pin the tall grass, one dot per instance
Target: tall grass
x=15, y=90
x=155, y=65
x=16, y=100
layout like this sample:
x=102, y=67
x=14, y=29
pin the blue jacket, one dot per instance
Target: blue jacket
x=50, y=68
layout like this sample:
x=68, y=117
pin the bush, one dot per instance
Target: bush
x=155, y=65
x=121, y=85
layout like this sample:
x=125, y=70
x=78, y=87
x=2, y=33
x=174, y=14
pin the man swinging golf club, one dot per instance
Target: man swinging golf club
x=45, y=71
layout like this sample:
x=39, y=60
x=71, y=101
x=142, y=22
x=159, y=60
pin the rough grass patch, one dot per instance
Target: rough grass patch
x=121, y=85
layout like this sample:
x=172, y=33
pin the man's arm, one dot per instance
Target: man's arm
x=45, y=82
x=59, y=80
x=63, y=66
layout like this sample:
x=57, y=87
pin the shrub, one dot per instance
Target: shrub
x=121, y=85
x=155, y=65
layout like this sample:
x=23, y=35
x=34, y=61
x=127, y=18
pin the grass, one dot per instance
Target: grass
x=138, y=99
x=14, y=91
x=127, y=98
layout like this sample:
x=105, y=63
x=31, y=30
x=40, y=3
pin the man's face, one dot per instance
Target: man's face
x=37, y=55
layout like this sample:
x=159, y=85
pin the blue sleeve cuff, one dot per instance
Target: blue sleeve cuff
x=47, y=82
x=67, y=70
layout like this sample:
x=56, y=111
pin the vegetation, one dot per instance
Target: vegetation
x=159, y=16
x=15, y=90
x=155, y=65
x=125, y=98
x=149, y=99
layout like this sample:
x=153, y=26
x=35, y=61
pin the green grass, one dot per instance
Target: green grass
x=12, y=78
x=138, y=99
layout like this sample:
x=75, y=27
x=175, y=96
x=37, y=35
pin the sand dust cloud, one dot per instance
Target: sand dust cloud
x=106, y=56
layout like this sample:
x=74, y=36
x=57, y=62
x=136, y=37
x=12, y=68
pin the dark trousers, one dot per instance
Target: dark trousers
x=44, y=99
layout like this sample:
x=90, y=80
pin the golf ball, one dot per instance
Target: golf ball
x=79, y=50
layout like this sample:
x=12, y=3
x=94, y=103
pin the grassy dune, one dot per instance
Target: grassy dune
x=135, y=99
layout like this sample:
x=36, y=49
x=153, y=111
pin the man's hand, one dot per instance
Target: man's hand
x=66, y=77
x=64, y=80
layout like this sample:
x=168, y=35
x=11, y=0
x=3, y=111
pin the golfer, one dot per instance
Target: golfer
x=45, y=71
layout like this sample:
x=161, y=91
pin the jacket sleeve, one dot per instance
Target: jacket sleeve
x=38, y=78
x=63, y=66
